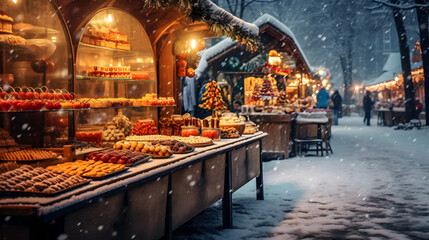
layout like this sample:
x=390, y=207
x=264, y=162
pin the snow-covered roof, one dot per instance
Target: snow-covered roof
x=391, y=69
x=267, y=18
x=227, y=43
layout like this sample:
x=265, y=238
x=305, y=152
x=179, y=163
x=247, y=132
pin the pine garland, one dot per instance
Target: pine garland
x=220, y=21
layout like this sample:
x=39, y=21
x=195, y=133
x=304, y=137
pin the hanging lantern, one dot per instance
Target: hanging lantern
x=181, y=65
x=191, y=73
x=274, y=58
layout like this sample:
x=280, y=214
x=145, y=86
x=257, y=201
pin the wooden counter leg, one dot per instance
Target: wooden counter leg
x=169, y=213
x=260, y=178
x=227, y=194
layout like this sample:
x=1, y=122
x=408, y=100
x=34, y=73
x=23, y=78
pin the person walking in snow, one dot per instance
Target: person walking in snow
x=367, y=107
x=337, y=100
x=322, y=98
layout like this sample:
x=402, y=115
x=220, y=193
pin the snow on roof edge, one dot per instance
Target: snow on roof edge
x=227, y=43
x=267, y=18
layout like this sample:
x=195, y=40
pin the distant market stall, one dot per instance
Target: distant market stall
x=268, y=86
x=389, y=90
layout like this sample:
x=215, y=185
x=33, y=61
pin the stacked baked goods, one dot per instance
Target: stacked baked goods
x=5, y=22
x=110, y=71
x=117, y=129
x=105, y=37
x=7, y=143
x=6, y=35
x=27, y=155
x=89, y=168
x=250, y=129
x=37, y=180
x=229, y=132
x=145, y=127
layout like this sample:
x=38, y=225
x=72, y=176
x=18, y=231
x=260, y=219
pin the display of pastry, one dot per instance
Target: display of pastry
x=109, y=71
x=7, y=143
x=118, y=156
x=229, y=132
x=28, y=155
x=105, y=37
x=117, y=129
x=12, y=39
x=145, y=127
x=192, y=140
x=5, y=22
x=250, y=129
x=156, y=150
x=176, y=146
x=37, y=180
x=89, y=168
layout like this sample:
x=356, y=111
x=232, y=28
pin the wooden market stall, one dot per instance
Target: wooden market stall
x=241, y=70
x=389, y=91
x=111, y=55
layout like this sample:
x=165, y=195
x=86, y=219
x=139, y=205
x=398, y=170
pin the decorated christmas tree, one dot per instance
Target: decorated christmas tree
x=212, y=98
x=268, y=90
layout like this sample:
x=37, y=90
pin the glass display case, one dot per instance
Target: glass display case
x=114, y=69
x=36, y=58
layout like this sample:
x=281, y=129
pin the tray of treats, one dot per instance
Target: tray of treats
x=91, y=169
x=156, y=150
x=139, y=161
x=28, y=155
x=29, y=181
x=176, y=146
x=126, y=157
x=196, y=141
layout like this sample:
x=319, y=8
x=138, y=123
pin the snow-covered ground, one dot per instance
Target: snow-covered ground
x=374, y=186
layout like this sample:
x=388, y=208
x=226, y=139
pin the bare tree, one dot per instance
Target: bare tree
x=422, y=16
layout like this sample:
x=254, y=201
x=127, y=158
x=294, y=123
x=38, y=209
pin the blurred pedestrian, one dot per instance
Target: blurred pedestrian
x=367, y=107
x=337, y=100
x=322, y=98
x=419, y=107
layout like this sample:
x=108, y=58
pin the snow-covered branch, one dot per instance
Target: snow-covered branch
x=405, y=6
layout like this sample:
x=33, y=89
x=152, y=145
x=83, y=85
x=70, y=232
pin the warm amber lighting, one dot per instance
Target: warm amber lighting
x=109, y=18
x=396, y=79
x=193, y=43
x=298, y=75
x=324, y=82
x=139, y=60
x=15, y=1
x=356, y=88
x=321, y=71
x=54, y=39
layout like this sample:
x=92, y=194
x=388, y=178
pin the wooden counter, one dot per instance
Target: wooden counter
x=278, y=127
x=148, y=201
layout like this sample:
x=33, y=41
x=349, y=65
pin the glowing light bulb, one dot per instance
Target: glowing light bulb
x=193, y=43
x=109, y=18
